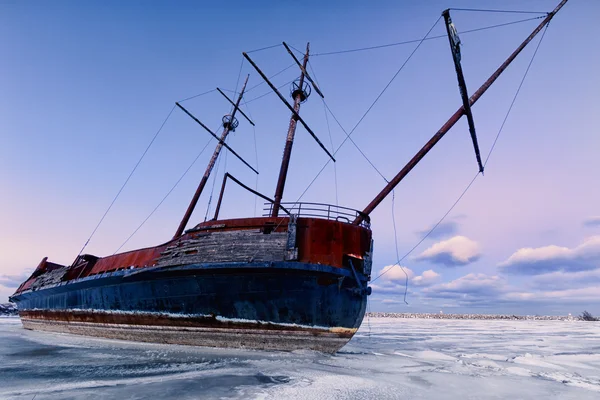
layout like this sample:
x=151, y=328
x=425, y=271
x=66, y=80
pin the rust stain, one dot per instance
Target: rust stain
x=147, y=319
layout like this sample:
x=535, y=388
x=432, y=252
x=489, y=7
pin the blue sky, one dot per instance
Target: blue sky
x=85, y=86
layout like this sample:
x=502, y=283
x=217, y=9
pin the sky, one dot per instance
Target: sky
x=85, y=86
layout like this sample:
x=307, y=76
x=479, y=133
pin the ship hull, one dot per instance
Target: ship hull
x=269, y=305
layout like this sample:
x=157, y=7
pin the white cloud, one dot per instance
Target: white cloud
x=427, y=278
x=456, y=251
x=540, y=260
x=394, y=274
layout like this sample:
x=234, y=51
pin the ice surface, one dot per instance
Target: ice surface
x=389, y=358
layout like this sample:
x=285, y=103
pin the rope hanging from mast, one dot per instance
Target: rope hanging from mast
x=255, y=157
x=335, y=180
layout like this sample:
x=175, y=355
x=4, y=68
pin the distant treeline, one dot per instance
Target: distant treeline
x=583, y=317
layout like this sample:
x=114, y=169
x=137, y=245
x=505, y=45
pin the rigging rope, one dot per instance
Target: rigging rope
x=500, y=11
x=332, y=149
x=391, y=80
x=261, y=82
x=353, y=142
x=269, y=92
x=237, y=83
x=429, y=38
x=255, y=155
x=335, y=180
x=264, y=48
x=516, y=94
x=486, y=160
x=247, y=90
x=126, y=181
x=164, y=198
x=297, y=51
x=396, y=243
x=399, y=260
x=198, y=95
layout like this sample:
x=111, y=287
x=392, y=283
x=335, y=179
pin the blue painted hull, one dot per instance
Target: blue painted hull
x=280, y=305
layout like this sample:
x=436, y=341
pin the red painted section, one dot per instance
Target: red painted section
x=46, y=266
x=135, y=258
x=25, y=285
x=319, y=241
x=322, y=241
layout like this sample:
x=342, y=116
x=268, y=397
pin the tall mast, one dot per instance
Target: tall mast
x=453, y=119
x=300, y=95
x=229, y=124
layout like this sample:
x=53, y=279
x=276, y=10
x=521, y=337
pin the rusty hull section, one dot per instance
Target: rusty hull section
x=255, y=337
x=158, y=319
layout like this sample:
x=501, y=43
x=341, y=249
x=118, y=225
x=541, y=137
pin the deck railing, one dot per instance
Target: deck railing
x=320, y=210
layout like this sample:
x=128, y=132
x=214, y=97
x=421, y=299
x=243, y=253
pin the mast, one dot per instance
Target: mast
x=453, y=119
x=299, y=95
x=229, y=124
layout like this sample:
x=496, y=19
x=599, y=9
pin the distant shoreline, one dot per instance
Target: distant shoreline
x=503, y=317
x=481, y=317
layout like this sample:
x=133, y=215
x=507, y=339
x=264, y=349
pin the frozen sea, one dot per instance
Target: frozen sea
x=388, y=359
